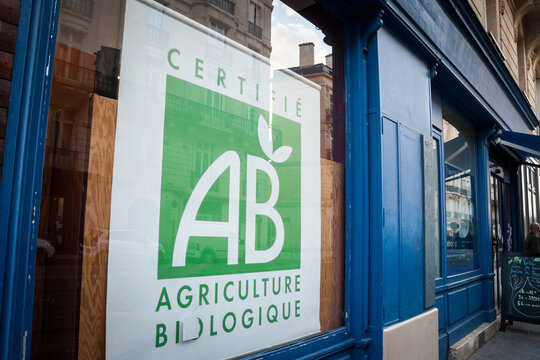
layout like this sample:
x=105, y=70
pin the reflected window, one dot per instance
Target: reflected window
x=460, y=180
x=218, y=28
x=254, y=20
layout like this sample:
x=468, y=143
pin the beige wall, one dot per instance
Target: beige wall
x=538, y=102
x=507, y=41
x=479, y=9
x=502, y=18
x=531, y=85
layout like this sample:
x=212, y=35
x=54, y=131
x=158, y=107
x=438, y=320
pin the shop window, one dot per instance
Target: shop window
x=193, y=189
x=460, y=181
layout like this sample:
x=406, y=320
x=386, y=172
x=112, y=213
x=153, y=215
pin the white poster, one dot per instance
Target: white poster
x=215, y=244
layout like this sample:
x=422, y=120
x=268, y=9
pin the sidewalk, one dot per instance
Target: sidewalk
x=520, y=341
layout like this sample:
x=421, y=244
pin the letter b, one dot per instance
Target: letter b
x=253, y=208
x=161, y=337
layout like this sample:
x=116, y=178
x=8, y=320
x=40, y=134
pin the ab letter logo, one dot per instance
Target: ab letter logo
x=230, y=186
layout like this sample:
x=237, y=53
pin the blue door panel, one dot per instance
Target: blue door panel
x=475, y=297
x=443, y=347
x=457, y=305
x=440, y=303
x=390, y=235
x=462, y=328
x=490, y=293
x=412, y=224
x=404, y=82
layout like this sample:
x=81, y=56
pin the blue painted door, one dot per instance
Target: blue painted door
x=403, y=227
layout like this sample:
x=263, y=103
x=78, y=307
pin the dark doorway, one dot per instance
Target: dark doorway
x=502, y=229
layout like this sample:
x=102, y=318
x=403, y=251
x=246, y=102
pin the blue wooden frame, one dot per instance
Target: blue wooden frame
x=357, y=335
x=483, y=275
x=20, y=187
x=453, y=104
x=437, y=135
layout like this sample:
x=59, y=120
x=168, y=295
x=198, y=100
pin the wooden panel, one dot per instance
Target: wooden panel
x=9, y=11
x=3, y=122
x=8, y=37
x=6, y=65
x=96, y=225
x=5, y=87
x=332, y=244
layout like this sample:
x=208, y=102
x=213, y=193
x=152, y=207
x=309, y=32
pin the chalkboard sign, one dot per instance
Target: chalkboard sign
x=521, y=288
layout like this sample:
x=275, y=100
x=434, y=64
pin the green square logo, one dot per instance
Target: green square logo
x=230, y=186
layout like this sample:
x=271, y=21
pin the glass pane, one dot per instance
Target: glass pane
x=497, y=240
x=460, y=175
x=193, y=187
x=508, y=214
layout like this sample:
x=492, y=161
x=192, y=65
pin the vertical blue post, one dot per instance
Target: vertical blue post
x=20, y=187
x=361, y=80
x=356, y=181
x=484, y=224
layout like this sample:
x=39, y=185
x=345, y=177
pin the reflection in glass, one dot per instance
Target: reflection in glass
x=459, y=158
x=74, y=228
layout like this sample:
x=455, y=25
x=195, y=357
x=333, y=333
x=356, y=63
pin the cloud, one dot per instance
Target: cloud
x=290, y=12
x=283, y=10
x=287, y=37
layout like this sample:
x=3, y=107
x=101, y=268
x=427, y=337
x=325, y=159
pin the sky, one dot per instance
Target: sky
x=288, y=31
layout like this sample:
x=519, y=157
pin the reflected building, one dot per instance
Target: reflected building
x=246, y=22
x=85, y=65
x=320, y=74
x=459, y=207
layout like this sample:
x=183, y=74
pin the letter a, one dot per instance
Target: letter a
x=253, y=208
x=190, y=227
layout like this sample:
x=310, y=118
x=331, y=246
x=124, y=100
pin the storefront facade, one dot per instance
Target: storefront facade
x=166, y=190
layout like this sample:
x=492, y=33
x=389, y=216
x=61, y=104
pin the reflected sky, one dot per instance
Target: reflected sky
x=288, y=31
